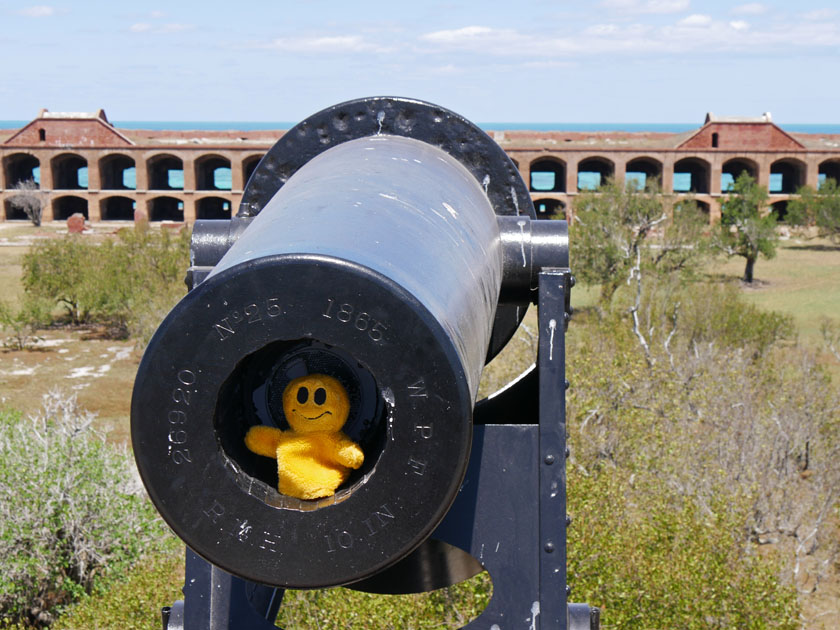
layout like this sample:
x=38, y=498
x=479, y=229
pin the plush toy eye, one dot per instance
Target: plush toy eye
x=320, y=396
x=302, y=395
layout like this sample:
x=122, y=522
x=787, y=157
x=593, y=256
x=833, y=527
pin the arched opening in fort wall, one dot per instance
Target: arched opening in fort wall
x=212, y=172
x=166, y=172
x=65, y=207
x=213, y=208
x=593, y=172
x=548, y=175
x=69, y=172
x=780, y=210
x=703, y=207
x=692, y=175
x=13, y=213
x=165, y=209
x=117, y=172
x=644, y=171
x=21, y=167
x=732, y=170
x=829, y=169
x=691, y=204
x=550, y=209
x=249, y=165
x=117, y=209
x=786, y=176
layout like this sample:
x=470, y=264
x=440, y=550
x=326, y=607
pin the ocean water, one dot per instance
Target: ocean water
x=181, y=125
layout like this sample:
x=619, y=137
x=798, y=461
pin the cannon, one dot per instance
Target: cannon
x=390, y=244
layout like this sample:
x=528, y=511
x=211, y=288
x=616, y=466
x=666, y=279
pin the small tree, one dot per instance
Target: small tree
x=745, y=228
x=818, y=207
x=618, y=230
x=30, y=199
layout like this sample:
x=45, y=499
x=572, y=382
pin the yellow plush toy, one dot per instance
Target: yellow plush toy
x=314, y=457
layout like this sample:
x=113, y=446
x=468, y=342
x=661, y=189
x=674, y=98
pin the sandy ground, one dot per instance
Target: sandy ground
x=99, y=371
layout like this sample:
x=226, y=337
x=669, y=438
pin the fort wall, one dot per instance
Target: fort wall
x=81, y=162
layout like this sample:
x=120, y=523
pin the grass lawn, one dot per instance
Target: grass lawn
x=803, y=280
x=10, y=273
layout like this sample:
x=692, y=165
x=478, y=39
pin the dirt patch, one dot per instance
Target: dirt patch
x=100, y=371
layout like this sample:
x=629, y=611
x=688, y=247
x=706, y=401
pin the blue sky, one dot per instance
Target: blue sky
x=491, y=61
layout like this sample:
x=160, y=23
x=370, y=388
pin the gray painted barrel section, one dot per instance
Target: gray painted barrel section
x=402, y=208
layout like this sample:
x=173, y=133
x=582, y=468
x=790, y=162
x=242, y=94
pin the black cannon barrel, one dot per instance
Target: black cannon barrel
x=402, y=208
x=378, y=258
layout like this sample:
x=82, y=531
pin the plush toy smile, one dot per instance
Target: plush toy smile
x=316, y=417
x=314, y=457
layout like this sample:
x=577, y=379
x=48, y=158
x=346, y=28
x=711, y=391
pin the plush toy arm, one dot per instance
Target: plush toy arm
x=263, y=440
x=350, y=454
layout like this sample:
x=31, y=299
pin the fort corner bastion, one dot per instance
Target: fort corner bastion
x=84, y=164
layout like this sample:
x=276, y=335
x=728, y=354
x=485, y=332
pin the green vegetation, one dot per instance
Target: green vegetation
x=618, y=231
x=745, y=229
x=691, y=457
x=127, y=283
x=22, y=323
x=131, y=601
x=339, y=609
x=705, y=447
x=800, y=281
x=818, y=207
x=701, y=438
x=71, y=511
x=650, y=558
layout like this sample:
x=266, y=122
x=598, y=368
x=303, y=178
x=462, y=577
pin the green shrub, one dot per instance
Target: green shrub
x=127, y=283
x=705, y=470
x=71, y=510
x=650, y=557
x=705, y=312
x=133, y=601
x=21, y=324
x=341, y=609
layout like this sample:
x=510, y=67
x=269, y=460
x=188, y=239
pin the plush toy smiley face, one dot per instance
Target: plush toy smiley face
x=315, y=402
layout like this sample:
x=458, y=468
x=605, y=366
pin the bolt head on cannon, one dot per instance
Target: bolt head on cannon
x=368, y=248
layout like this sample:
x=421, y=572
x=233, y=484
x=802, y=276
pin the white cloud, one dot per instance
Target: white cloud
x=696, y=32
x=37, y=11
x=156, y=15
x=495, y=41
x=325, y=44
x=647, y=6
x=448, y=69
x=145, y=27
x=696, y=20
x=601, y=29
x=459, y=35
x=751, y=8
x=820, y=14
